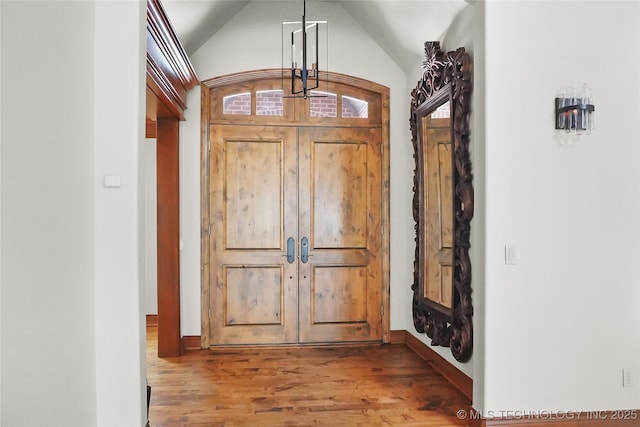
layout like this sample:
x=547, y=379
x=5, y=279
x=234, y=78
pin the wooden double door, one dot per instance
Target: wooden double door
x=295, y=239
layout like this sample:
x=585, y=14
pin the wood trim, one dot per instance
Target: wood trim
x=152, y=320
x=191, y=343
x=150, y=129
x=561, y=419
x=461, y=381
x=295, y=110
x=204, y=217
x=386, y=210
x=276, y=73
x=161, y=89
x=170, y=74
x=397, y=337
x=168, y=161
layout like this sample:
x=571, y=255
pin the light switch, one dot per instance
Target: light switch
x=112, y=181
x=510, y=255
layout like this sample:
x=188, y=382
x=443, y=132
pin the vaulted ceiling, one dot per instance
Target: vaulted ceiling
x=400, y=27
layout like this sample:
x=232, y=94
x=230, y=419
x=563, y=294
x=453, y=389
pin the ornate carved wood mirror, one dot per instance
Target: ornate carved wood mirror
x=443, y=200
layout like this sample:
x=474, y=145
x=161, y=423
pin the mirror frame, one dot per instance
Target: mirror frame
x=447, y=76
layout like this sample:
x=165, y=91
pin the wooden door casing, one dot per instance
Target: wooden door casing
x=169, y=77
x=377, y=97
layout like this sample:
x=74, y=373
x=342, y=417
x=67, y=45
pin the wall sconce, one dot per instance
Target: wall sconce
x=304, y=44
x=574, y=110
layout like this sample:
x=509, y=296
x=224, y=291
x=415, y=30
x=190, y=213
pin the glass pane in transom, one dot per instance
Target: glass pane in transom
x=269, y=103
x=237, y=104
x=354, y=108
x=323, y=104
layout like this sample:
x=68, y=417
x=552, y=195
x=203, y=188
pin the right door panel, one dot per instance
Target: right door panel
x=340, y=215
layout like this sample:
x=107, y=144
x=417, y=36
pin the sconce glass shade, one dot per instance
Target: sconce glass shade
x=574, y=110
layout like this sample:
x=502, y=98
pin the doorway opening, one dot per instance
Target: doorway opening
x=295, y=212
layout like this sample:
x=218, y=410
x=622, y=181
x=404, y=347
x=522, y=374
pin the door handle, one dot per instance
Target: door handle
x=291, y=250
x=304, y=250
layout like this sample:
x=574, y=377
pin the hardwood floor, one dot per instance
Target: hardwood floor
x=368, y=385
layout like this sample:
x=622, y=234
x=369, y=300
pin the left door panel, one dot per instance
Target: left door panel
x=253, y=212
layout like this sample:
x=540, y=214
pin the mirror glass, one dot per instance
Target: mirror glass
x=437, y=191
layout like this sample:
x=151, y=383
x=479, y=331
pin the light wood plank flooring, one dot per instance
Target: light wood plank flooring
x=369, y=386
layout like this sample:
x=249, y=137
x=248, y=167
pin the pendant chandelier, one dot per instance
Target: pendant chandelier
x=305, y=42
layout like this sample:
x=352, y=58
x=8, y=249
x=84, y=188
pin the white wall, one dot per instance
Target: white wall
x=563, y=322
x=47, y=215
x=478, y=228
x=119, y=135
x=72, y=112
x=252, y=40
x=190, y=215
x=1, y=217
x=150, y=228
